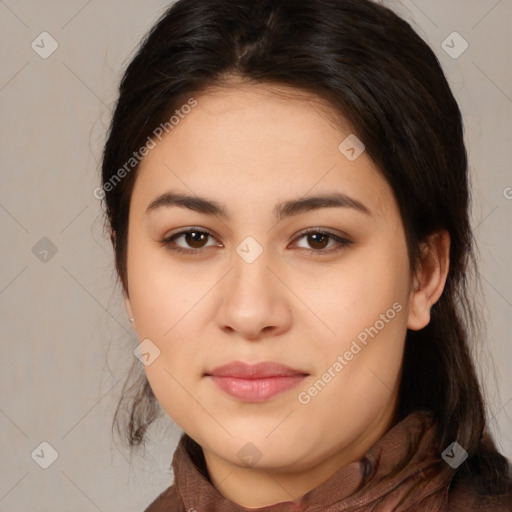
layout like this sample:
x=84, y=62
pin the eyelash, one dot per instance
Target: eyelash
x=168, y=242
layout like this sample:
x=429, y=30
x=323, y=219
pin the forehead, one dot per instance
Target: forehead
x=258, y=142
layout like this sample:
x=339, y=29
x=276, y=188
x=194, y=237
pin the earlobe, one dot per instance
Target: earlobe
x=430, y=279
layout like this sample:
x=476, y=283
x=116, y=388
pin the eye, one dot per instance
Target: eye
x=195, y=241
x=319, y=240
x=194, y=238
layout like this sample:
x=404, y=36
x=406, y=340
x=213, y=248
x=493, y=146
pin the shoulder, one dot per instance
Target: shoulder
x=167, y=501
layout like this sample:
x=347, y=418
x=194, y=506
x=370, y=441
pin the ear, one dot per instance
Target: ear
x=430, y=279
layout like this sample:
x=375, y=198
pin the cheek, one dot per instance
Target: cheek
x=169, y=320
x=365, y=305
x=166, y=303
x=366, y=366
x=162, y=293
x=168, y=312
x=353, y=295
x=170, y=385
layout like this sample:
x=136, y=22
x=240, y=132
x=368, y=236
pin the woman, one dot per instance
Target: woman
x=286, y=189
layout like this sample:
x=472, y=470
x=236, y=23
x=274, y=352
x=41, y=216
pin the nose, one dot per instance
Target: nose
x=255, y=302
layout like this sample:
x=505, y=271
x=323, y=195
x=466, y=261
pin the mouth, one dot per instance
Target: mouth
x=255, y=383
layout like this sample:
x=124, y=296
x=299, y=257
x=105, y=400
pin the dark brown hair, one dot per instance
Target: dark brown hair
x=374, y=70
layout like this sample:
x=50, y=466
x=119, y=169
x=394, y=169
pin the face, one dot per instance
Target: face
x=322, y=287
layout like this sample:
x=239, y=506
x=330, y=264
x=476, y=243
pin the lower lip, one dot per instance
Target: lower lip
x=256, y=390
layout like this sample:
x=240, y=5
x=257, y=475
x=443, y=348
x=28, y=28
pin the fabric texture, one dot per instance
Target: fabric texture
x=402, y=472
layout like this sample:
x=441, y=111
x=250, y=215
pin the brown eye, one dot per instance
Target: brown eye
x=192, y=240
x=195, y=239
x=318, y=241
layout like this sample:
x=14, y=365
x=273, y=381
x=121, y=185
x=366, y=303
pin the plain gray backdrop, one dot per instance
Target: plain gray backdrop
x=66, y=340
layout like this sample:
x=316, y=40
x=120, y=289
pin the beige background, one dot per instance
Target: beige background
x=66, y=341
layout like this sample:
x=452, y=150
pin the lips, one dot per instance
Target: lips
x=255, y=383
x=242, y=370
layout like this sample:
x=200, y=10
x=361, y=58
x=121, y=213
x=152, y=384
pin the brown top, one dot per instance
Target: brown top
x=378, y=482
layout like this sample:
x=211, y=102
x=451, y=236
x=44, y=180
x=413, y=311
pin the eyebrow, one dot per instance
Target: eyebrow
x=280, y=211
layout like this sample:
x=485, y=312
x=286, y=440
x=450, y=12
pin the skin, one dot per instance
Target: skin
x=250, y=147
